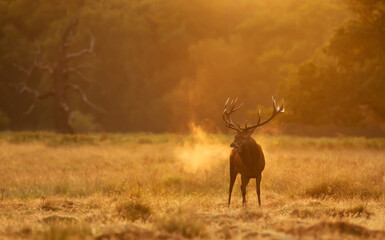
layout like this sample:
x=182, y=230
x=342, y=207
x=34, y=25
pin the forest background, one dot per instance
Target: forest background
x=159, y=66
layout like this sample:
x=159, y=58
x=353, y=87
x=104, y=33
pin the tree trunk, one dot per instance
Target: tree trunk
x=62, y=113
x=59, y=73
x=61, y=109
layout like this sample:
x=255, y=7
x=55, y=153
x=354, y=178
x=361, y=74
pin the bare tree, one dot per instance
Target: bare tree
x=59, y=72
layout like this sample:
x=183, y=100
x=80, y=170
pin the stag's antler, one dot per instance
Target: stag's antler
x=229, y=108
x=276, y=111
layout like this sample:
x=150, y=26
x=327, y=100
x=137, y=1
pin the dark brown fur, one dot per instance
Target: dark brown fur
x=246, y=157
x=248, y=160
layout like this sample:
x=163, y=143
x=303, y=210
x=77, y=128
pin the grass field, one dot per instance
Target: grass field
x=169, y=186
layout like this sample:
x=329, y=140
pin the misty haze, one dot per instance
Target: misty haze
x=172, y=119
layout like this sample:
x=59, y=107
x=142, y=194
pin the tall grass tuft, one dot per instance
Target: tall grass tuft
x=134, y=209
x=182, y=223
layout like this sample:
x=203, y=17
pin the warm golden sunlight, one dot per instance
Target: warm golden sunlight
x=203, y=119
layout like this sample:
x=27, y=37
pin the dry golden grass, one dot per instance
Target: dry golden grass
x=175, y=187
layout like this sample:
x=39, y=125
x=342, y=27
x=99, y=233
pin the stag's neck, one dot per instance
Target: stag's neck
x=251, y=140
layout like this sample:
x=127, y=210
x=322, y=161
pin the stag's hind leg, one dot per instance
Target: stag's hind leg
x=245, y=181
x=258, y=183
x=233, y=176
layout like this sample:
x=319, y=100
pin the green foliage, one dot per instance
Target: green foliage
x=163, y=64
x=83, y=123
x=344, y=84
x=51, y=138
x=270, y=142
x=4, y=121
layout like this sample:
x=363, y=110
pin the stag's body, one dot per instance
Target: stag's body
x=249, y=162
x=246, y=157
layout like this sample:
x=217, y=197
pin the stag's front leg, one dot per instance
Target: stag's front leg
x=245, y=181
x=258, y=183
x=233, y=176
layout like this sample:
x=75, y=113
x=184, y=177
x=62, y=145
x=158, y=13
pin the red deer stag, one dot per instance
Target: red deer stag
x=246, y=156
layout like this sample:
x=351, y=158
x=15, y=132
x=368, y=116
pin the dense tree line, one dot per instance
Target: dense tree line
x=159, y=65
x=344, y=83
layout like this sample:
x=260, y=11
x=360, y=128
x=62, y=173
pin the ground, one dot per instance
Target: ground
x=169, y=186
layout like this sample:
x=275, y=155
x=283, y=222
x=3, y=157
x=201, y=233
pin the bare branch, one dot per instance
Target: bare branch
x=39, y=64
x=44, y=66
x=79, y=67
x=77, y=71
x=35, y=64
x=89, y=50
x=69, y=32
x=39, y=97
x=65, y=107
x=26, y=71
x=83, y=77
x=36, y=96
x=84, y=96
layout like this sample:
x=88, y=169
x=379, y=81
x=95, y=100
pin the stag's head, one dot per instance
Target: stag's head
x=243, y=135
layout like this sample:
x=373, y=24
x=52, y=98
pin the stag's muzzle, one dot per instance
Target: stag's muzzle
x=234, y=145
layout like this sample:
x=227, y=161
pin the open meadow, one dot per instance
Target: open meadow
x=118, y=118
x=174, y=186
